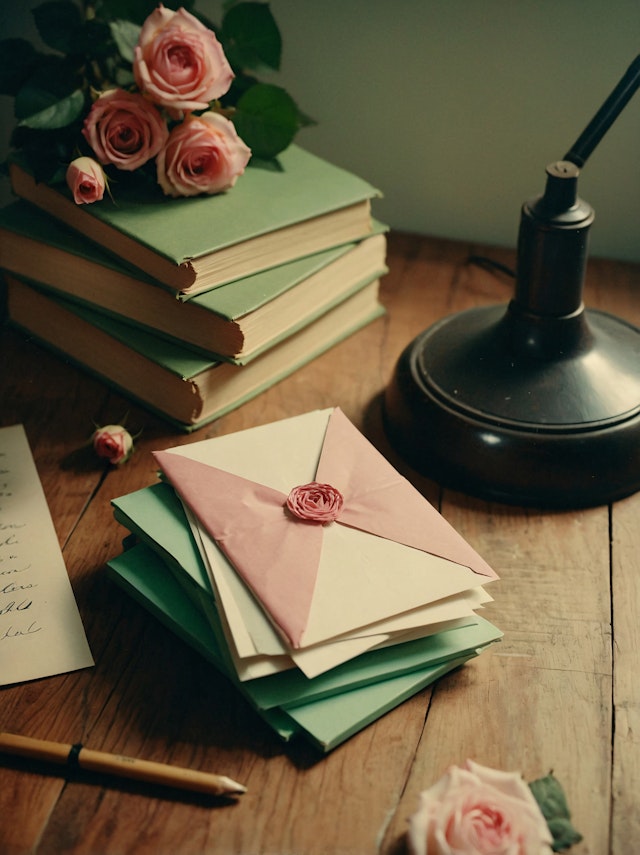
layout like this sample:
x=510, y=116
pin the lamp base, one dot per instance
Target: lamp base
x=524, y=410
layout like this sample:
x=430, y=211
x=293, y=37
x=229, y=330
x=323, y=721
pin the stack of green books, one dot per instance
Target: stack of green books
x=192, y=306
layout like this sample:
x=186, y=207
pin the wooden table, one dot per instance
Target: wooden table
x=561, y=692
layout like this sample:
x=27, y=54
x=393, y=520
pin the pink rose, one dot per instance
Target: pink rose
x=479, y=811
x=85, y=179
x=124, y=129
x=179, y=63
x=113, y=443
x=203, y=154
x=315, y=502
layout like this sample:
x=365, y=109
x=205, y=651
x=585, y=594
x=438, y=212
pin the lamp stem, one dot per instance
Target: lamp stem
x=553, y=239
x=606, y=115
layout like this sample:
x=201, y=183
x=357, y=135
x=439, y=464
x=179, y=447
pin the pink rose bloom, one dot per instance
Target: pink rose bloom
x=113, y=443
x=85, y=179
x=124, y=129
x=179, y=63
x=478, y=811
x=203, y=154
x=315, y=502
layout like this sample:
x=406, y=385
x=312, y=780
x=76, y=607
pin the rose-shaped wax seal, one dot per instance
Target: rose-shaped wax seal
x=315, y=502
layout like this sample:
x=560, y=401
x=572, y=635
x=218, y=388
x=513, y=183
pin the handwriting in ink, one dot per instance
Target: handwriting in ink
x=10, y=571
x=15, y=606
x=16, y=632
x=12, y=588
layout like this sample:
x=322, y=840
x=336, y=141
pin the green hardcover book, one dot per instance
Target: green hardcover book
x=170, y=379
x=273, y=214
x=236, y=321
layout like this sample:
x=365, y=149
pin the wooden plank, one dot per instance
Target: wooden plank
x=613, y=287
x=625, y=825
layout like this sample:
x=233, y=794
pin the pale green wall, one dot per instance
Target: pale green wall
x=454, y=107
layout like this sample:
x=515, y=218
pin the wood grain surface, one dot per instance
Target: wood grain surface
x=561, y=692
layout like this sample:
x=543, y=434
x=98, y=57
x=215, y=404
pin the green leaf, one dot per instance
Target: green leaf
x=550, y=796
x=53, y=79
x=125, y=34
x=94, y=40
x=17, y=59
x=58, y=115
x=57, y=22
x=47, y=152
x=266, y=118
x=250, y=36
x=563, y=833
x=123, y=77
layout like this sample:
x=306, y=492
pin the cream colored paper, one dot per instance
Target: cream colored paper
x=258, y=650
x=41, y=632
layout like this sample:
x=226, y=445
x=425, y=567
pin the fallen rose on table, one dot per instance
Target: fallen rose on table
x=474, y=810
x=113, y=443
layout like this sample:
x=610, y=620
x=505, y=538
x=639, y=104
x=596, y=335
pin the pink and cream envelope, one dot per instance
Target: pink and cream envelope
x=387, y=554
x=258, y=650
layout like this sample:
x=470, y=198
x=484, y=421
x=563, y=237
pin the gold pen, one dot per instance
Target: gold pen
x=117, y=764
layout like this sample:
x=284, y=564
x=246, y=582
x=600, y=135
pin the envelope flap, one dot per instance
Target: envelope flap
x=379, y=500
x=276, y=555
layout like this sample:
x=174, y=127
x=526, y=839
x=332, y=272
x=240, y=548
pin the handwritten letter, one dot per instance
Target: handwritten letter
x=41, y=632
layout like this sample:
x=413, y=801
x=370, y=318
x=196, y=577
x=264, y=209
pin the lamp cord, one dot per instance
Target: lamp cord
x=490, y=264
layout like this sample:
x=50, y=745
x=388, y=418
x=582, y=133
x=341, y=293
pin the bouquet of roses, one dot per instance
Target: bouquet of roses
x=158, y=93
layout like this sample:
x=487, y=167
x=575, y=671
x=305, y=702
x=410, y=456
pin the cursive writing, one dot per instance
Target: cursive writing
x=19, y=632
x=41, y=632
x=13, y=602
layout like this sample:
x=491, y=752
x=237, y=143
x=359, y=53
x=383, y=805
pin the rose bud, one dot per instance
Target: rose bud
x=112, y=443
x=86, y=180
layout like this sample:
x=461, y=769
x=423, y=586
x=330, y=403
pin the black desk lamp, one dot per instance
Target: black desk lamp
x=537, y=403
